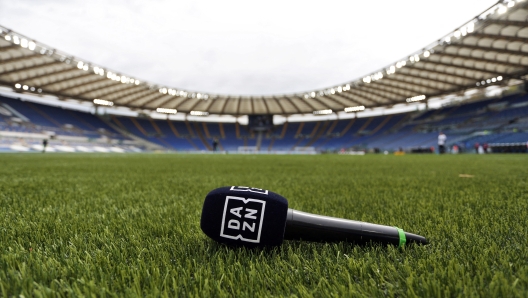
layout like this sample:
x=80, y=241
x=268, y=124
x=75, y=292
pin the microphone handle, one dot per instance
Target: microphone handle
x=312, y=227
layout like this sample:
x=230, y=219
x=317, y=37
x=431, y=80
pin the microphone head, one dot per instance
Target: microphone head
x=244, y=216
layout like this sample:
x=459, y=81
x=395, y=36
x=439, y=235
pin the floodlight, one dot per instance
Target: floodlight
x=502, y=9
x=322, y=112
x=166, y=111
x=470, y=27
x=354, y=109
x=32, y=45
x=18, y=86
x=24, y=43
x=499, y=78
x=416, y=98
x=8, y=37
x=199, y=113
x=103, y=102
x=25, y=87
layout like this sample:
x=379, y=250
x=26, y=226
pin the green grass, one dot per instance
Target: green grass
x=128, y=225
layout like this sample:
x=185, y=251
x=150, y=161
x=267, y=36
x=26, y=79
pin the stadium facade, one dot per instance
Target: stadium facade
x=488, y=52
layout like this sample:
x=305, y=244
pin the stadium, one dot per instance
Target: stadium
x=103, y=174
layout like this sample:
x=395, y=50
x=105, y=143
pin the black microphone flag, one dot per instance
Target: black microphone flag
x=254, y=217
x=239, y=215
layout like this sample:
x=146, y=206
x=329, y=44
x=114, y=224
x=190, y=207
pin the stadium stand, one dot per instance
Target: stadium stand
x=24, y=125
x=492, y=121
x=481, y=57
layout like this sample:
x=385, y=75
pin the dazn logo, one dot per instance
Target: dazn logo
x=242, y=219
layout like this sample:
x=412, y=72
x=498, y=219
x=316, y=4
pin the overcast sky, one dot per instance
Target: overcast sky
x=239, y=47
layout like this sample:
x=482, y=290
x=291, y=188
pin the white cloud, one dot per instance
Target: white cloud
x=240, y=47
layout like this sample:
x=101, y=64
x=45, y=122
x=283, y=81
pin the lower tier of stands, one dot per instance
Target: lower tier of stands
x=497, y=120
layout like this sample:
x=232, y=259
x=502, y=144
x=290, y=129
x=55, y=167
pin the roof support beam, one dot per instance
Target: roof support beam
x=210, y=102
x=28, y=68
x=279, y=105
x=390, y=84
x=21, y=58
x=507, y=22
x=393, y=78
x=370, y=88
x=396, y=91
x=174, y=103
x=306, y=102
x=500, y=37
x=82, y=85
x=439, y=72
x=266, y=105
x=327, y=97
x=198, y=101
x=474, y=69
x=487, y=49
x=125, y=86
x=31, y=78
x=131, y=90
x=338, y=97
x=160, y=105
x=9, y=47
x=297, y=107
x=356, y=98
x=142, y=106
x=361, y=94
x=252, y=108
x=516, y=65
x=137, y=96
x=428, y=79
x=224, y=106
x=100, y=88
x=66, y=80
x=238, y=106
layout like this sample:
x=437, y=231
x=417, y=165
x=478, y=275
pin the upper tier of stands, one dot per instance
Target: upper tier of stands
x=498, y=120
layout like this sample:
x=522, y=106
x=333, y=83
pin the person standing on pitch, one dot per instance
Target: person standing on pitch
x=44, y=145
x=215, y=144
x=441, y=142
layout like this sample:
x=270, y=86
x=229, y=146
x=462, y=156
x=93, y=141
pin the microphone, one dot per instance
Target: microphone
x=254, y=217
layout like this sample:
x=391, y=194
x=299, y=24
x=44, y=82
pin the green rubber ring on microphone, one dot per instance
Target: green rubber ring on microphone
x=403, y=239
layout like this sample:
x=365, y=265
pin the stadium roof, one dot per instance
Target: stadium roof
x=492, y=48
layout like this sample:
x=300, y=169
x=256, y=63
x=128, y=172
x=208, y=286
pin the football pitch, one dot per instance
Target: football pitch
x=128, y=225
